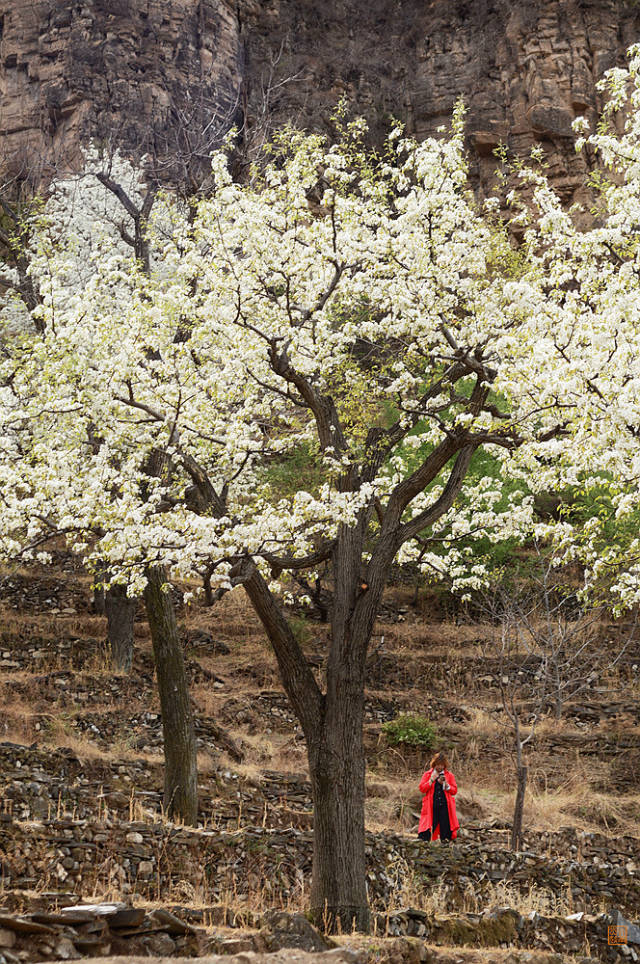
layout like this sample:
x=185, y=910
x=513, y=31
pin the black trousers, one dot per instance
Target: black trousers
x=445, y=835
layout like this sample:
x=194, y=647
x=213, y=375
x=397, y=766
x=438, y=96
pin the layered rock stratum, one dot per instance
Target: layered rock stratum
x=146, y=74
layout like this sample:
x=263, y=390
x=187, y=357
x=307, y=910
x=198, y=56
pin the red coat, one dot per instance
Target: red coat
x=426, y=817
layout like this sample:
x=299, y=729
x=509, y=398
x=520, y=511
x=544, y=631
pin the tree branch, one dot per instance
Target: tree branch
x=120, y=193
x=445, y=500
x=330, y=433
x=299, y=682
x=281, y=563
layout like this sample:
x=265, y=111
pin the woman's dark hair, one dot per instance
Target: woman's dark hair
x=439, y=759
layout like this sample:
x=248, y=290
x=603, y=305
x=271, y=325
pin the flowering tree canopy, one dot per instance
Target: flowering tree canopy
x=347, y=307
x=581, y=293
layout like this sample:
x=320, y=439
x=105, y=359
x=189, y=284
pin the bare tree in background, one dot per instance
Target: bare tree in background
x=258, y=105
x=17, y=203
x=564, y=635
x=174, y=149
x=545, y=650
x=513, y=676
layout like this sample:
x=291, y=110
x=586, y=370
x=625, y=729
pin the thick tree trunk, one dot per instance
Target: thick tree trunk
x=180, y=777
x=332, y=726
x=516, y=830
x=336, y=757
x=121, y=611
x=337, y=765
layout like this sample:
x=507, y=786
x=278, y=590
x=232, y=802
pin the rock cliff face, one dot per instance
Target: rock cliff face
x=146, y=74
x=170, y=74
x=525, y=69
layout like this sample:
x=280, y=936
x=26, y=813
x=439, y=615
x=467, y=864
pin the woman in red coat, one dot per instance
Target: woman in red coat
x=439, y=787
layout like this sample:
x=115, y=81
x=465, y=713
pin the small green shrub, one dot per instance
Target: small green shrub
x=410, y=730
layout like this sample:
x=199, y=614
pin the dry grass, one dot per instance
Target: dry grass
x=410, y=891
x=436, y=638
x=549, y=728
x=253, y=670
x=580, y=806
x=482, y=725
x=390, y=803
x=260, y=750
x=277, y=751
x=575, y=801
x=19, y=722
x=27, y=626
x=60, y=734
x=251, y=773
x=231, y=618
x=380, y=948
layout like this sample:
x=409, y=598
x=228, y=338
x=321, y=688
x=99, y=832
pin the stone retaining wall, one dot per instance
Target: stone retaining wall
x=505, y=927
x=158, y=861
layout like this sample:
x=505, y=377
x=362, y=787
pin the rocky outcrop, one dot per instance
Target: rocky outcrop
x=340, y=955
x=170, y=76
x=505, y=927
x=98, y=930
x=94, y=929
x=147, y=74
x=525, y=70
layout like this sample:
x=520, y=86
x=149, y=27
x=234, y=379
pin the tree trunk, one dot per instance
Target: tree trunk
x=332, y=725
x=558, y=688
x=121, y=611
x=180, y=775
x=516, y=830
x=208, y=591
x=336, y=755
x=337, y=766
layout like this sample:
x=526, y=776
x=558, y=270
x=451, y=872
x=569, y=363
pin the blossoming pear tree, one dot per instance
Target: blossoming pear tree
x=354, y=311
x=108, y=199
x=99, y=214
